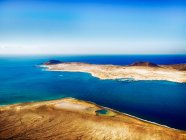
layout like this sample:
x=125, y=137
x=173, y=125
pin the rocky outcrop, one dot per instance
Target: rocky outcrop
x=147, y=64
x=52, y=62
x=181, y=67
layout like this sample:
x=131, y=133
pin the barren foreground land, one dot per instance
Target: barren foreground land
x=71, y=119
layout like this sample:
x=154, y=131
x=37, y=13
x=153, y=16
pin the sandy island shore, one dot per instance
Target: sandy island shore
x=160, y=72
x=71, y=119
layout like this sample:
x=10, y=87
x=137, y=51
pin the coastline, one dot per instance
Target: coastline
x=161, y=72
x=51, y=100
x=88, y=109
x=48, y=100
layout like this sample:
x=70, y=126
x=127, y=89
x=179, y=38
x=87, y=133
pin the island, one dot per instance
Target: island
x=72, y=119
x=136, y=71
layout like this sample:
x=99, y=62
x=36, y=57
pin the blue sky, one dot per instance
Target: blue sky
x=92, y=27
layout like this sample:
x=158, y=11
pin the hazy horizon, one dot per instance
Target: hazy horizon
x=92, y=27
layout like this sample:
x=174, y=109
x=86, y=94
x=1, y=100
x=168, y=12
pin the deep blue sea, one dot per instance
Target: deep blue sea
x=162, y=102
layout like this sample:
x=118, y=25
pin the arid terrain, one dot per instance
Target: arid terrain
x=136, y=71
x=71, y=119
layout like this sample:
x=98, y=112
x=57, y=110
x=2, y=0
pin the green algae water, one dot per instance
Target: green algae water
x=102, y=112
x=162, y=102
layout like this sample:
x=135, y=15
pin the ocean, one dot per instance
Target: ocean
x=161, y=102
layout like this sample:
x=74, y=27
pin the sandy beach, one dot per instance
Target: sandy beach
x=70, y=119
x=161, y=72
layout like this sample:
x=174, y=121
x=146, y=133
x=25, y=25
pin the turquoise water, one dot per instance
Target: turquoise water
x=157, y=101
x=102, y=111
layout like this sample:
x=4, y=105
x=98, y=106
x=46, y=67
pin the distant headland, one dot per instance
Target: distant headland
x=136, y=71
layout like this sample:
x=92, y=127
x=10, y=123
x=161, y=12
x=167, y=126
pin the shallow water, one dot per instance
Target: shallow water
x=102, y=112
x=158, y=101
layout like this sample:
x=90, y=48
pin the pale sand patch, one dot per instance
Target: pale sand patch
x=71, y=106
